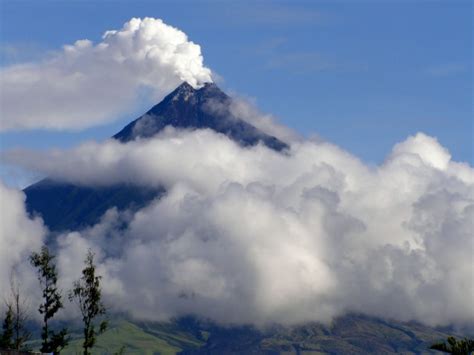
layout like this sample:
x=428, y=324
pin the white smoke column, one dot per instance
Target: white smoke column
x=87, y=84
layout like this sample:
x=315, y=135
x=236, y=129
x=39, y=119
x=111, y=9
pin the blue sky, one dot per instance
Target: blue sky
x=363, y=75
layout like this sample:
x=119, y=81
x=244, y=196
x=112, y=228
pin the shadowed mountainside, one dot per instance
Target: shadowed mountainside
x=65, y=206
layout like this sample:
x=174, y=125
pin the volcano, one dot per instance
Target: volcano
x=65, y=206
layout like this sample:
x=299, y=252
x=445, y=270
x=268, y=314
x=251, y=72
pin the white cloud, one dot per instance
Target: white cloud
x=245, y=109
x=248, y=235
x=425, y=148
x=19, y=236
x=87, y=84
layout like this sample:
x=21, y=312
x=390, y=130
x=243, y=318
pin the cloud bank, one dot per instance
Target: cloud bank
x=248, y=235
x=87, y=84
x=19, y=236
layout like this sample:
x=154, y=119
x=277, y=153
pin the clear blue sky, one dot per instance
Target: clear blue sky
x=363, y=75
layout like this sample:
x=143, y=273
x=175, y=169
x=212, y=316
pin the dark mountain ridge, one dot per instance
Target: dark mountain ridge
x=65, y=206
x=189, y=108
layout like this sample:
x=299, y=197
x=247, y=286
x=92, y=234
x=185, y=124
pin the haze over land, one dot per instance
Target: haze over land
x=245, y=233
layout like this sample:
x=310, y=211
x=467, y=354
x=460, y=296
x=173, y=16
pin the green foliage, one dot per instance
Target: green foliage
x=121, y=351
x=52, y=300
x=18, y=304
x=351, y=334
x=6, y=340
x=87, y=293
x=454, y=346
x=123, y=337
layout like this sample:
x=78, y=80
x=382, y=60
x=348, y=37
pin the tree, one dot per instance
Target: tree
x=52, y=342
x=6, y=340
x=456, y=347
x=87, y=293
x=15, y=334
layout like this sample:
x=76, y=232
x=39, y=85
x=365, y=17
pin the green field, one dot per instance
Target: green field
x=354, y=334
x=131, y=339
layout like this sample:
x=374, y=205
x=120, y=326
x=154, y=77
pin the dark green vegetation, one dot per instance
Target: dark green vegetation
x=15, y=333
x=454, y=346
x=352, y=334
x=87, y=293
x=130, y=338
x=6, y=340
x=52, y=300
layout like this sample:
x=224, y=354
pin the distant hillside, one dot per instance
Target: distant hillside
x=131, y=339
x=354, y=334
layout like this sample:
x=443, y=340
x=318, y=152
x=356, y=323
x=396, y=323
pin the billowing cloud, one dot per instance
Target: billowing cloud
x=173, y=153
x=87, y=84
x=248, y=235
x=19, y=236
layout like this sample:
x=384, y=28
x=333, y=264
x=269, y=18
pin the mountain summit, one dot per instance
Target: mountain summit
x=189, y=108
x=65, y=206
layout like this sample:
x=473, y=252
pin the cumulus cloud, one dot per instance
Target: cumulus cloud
x=87, y=84
x=19, y=236
x=249, y=235
x=173, y=153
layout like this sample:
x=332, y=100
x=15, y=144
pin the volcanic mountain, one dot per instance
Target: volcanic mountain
x=65, y=206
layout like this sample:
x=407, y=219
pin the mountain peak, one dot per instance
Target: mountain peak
x=185, y=91
x=207, y=107
x=182, y=92
x=185, y=86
